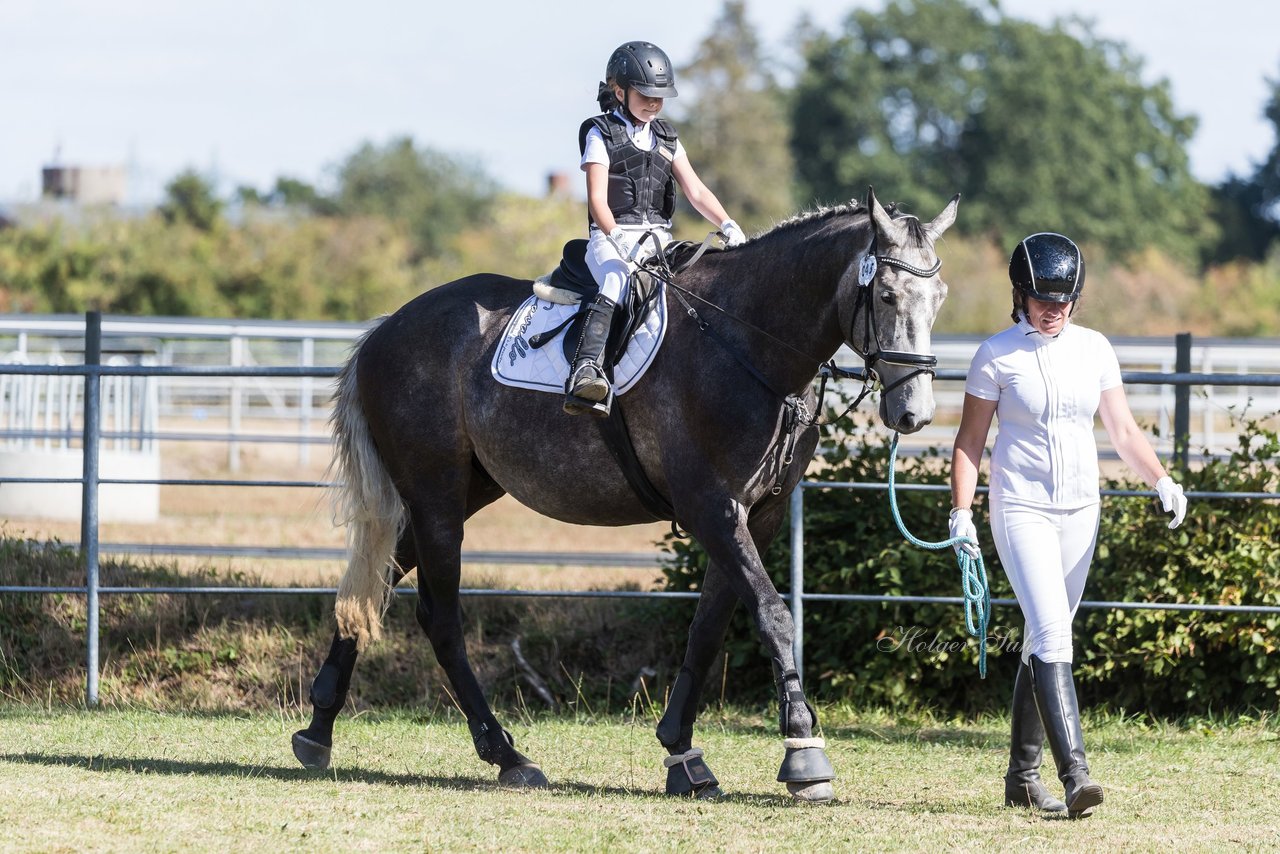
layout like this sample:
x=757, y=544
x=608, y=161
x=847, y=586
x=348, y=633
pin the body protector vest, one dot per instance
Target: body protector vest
x=641, y=185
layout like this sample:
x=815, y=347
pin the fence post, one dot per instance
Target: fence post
x=233, y=413
x=305, y=401
x=1181, y=401
x=89, y=494
x=797, y=575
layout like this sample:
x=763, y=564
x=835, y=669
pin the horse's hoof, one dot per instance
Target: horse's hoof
x=709, y=793
x=812, y=793
x=523, y=777
x=310, y=753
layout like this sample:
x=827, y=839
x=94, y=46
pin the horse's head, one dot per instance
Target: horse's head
x=896, y=296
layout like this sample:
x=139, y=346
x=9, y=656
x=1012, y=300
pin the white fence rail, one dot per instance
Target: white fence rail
x=1256, y=375
x=298, y=406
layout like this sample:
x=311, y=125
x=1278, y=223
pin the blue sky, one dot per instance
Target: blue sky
x=247, y=90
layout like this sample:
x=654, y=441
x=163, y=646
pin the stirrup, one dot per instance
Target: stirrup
x=575, y=405
x=594, y=387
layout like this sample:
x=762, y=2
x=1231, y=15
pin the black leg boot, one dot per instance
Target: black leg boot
x=1022, y=784
x=588, y=388
x=1055, y=693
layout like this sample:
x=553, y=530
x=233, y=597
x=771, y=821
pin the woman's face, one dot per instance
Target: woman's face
x=1048, y=318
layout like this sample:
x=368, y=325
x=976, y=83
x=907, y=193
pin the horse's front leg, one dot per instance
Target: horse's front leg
x=806, y=770
x=687, y=773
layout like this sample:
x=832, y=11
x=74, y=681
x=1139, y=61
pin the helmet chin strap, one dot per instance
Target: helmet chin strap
x=626, y=107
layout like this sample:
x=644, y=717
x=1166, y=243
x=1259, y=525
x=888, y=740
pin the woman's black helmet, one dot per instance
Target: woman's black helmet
x=644, y=67
x=1049, y=267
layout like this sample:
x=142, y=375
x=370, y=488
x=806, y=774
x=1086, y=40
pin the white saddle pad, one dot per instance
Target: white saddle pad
x=545, y=369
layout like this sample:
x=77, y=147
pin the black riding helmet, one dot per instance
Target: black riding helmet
x=1049, y=267
x=644, y=67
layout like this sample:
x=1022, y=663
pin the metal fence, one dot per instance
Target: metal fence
x=94, y=373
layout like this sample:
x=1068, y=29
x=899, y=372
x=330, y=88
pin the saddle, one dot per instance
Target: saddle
x=571, y=282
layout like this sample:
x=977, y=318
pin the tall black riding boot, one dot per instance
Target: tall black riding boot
x=1022, y=784
x=1055, y=693
x=588, y=389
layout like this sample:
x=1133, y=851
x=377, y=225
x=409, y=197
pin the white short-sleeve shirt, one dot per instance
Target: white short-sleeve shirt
x=1047, y=392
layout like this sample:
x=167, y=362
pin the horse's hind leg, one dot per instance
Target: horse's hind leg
x=313, y=746
x=439, y=539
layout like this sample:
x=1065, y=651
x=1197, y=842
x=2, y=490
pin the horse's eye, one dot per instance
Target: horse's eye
x=888, y=297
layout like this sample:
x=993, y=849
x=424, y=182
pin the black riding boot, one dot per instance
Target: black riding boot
x=1055, y=693
x=1022, y=784
x=588, y=388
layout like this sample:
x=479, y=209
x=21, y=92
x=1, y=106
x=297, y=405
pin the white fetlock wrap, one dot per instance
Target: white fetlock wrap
x=672, y=761
x=798, y=743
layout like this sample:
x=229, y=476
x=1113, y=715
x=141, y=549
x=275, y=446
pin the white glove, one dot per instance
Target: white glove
x=618, y=237
x=1172, y=499
x=733, y=235
x=962, y=526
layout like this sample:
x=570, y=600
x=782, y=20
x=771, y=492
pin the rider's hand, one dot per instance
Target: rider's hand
x=1172, y=499
x=733, y=235
x=962, y=526
x=618, y=237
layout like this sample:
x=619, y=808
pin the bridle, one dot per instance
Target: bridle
x=873, y=353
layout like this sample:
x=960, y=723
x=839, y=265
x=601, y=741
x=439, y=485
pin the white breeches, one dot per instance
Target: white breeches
x=1046, y=555
x=608, y=267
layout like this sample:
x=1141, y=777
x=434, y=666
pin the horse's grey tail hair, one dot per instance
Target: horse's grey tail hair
x=365, y=500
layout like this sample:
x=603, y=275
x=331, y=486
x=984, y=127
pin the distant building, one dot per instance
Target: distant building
x=85, y=185
x=559, y=185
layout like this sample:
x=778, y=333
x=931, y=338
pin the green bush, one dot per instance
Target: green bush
x=1225, y=553
x=906, y=655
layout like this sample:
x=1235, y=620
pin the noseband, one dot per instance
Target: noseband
x=923, y=363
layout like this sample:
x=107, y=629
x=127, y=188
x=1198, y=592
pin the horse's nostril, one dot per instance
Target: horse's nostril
x=907, y=422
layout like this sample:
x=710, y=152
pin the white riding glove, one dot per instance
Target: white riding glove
x=733, y=235
x=618, y=237
x=962, y=526
x=1172, y=499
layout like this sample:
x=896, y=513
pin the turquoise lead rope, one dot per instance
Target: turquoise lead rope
x=973, y=572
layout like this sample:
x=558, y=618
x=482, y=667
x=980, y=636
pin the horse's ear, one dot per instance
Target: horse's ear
x=884, y=222
x=943, y=220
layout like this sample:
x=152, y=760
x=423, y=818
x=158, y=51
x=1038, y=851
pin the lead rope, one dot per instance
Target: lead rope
x=973, y=572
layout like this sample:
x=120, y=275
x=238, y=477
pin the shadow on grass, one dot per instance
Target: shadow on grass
x=134, y=765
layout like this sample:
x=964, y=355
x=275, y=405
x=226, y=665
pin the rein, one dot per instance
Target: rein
x=923, y=363
x=973, y=572
x=796, y=410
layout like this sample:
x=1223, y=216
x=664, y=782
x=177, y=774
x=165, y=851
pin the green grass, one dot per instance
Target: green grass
x=129, y=779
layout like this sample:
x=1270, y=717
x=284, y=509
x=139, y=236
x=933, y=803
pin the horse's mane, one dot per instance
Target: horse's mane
x=805, y=219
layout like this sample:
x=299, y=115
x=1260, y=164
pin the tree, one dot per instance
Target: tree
x=1254, y=205
x=435, y=195
x=1239, y=209
x=189, y=199
x=1038, y=127
x=736, y=127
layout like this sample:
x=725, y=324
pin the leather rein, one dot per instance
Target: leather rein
x=796, y=411
x=873, y=353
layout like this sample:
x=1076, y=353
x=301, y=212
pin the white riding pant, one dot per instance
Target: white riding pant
x=608, y=267
x=1046, y=555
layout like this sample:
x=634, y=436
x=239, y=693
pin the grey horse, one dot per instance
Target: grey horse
x=722, y=425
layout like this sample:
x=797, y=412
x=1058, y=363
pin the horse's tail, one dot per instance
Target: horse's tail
x=366, y=501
